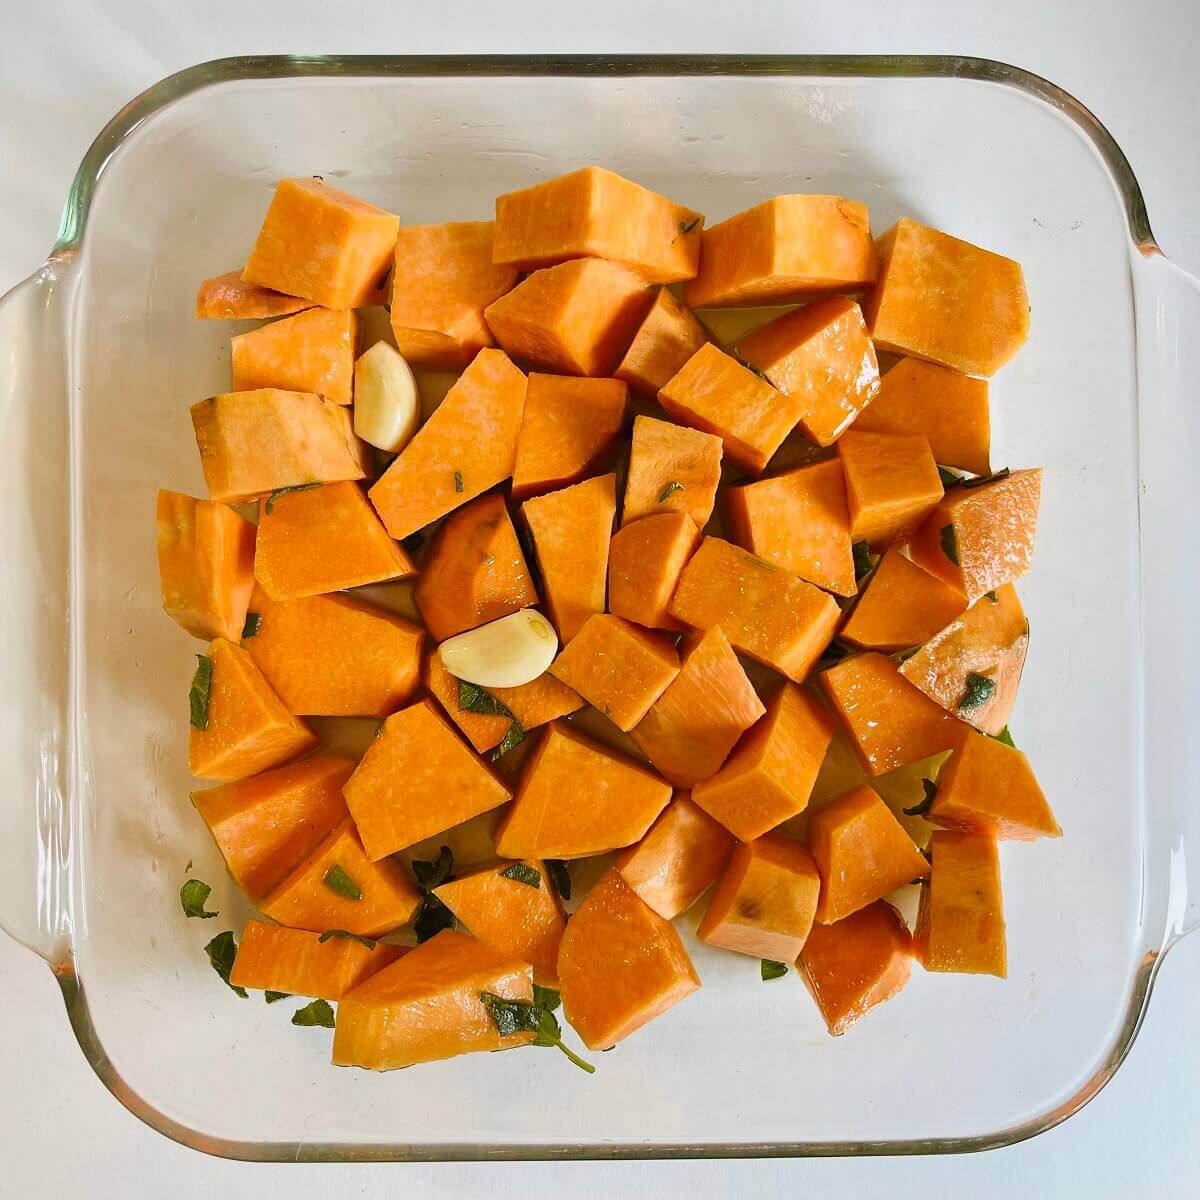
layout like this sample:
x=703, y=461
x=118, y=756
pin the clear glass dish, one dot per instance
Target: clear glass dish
x=101, y=357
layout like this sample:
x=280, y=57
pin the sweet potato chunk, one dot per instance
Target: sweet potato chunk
x=320, y=540
x=690, y=730
x=645, y=560
x=426, y=1006
x=569, y=426
x=252, y=443
x=617, y=667
x=205, y=564
x=892, y=484
x=972, y=667
x=310, y=352
x=981, y=536
x=988, y=787
x=856, y=964
x=512, y=915
x=307, y=899
x=713, y=392
x=862, y=853
x=620, y=965
x=765, y=612
x=267, y=825
x=769, y=777
x=444, y=279
x=677, y=861
x=296, y=961
x=330, y=656
x=944, y=300
x=665, y=340
x=247, y=726
x=822, y=356
x=577, y=318
x=785, y=249
x=891, y=722
x=475, y=572
x=671, y=469
x=949, y=409
x=467, y=446
x=576, y=799
x=798, y=521
x=229, y=298
x=597, y=213
x=322, y=244
x=416, y=779
x=960, y=920
x=571, y=531
x=766, y=899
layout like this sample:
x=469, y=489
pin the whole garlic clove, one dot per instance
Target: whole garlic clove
x=387, y=405
x=506, y=653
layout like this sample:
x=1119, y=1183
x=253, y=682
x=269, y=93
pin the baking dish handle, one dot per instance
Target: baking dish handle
x=35, y=500
x=1168, y=357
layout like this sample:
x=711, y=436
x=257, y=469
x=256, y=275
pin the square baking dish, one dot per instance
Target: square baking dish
x=100, y=357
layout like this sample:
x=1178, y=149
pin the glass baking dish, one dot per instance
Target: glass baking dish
x=101, y=357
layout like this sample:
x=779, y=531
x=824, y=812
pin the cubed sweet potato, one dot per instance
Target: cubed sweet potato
x=892, y=484
x=645, y=560
x=310, y=352
x=665, y=340
x=960, y=920
x=229, y=298
x=671, y=469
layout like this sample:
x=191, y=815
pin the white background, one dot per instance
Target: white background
x=67, y=65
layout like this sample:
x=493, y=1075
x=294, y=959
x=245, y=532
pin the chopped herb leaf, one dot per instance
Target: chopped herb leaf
x=337, y=879
x=252, y=626
x=319, y=1012
x=948, y=476
x=523, y=874
x=770, y=969
x=458, y=481
x=474, y=699
x=688, y=226
x=519, y=1016
x=981, y=480
x=514, y=737
x=904, y=655
x=559, y=876
x=432, y=919
x=194, y=896
x=950, y=544
x=221, y=951
x=370, y=943
x=753, y=369
x=864, y=560
x=992, y=597
x=1005, y=737
x=200, y=691
x=546, y=998
x=434, y=874
x=920, y=810
x=269, y=507
x=670, y=490
x=979, y=690
x=413, y=543
x=760, y=563
x=272, y=997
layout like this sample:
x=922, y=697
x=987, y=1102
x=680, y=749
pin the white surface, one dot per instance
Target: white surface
x=61, y=78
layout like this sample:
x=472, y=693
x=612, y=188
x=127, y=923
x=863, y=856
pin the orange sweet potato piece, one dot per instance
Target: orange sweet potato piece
x=322, y=244
x=662, y=455
x=785, y=249
x=822, y=356
x=444, y=279
x=981, y=537
x=510, y=915
x=620, y=965
x=988, y=787
x=205, y=564
x=891, y=722
x=267, y=825
x=248, y=726
x=944, y=300
x=278, y=959
x=426, y=1006
x=862, y=852
x=892, y=484
x=960, y=920
x=475, y=571
x=569, y=426
x=572, y=529
x=645, y=560
x=769, y=777
x=597, y=213
x=765, y=612
x=765, y=901
x=690, y=730
x=331, y=656
x=665, y=340
x=678, y=860
x=228, y=298
x=252, y=443
x=305, y=900
x=310, y=352
x=949, y=409
x=577, y=798
x=467, y=446
x=901, y=606
x=617, y=667
x=713, y=392
x=322, y=540
x=989, y=640
x=798, y=521
x=577, y=318
x=856, y=964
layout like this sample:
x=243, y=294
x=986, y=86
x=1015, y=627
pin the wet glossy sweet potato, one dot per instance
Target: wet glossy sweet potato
x=229, y=298
x=671, y=469
x=645, y=560
x=892, y=484
x=665, y=340
x=310, y=352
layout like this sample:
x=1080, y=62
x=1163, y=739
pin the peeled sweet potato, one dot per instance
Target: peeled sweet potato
x=645, y=560
x=892, y=484
x=229, y=298
x=671, y=469
x=665, y=340
x=960, y=920
x=310, y=352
